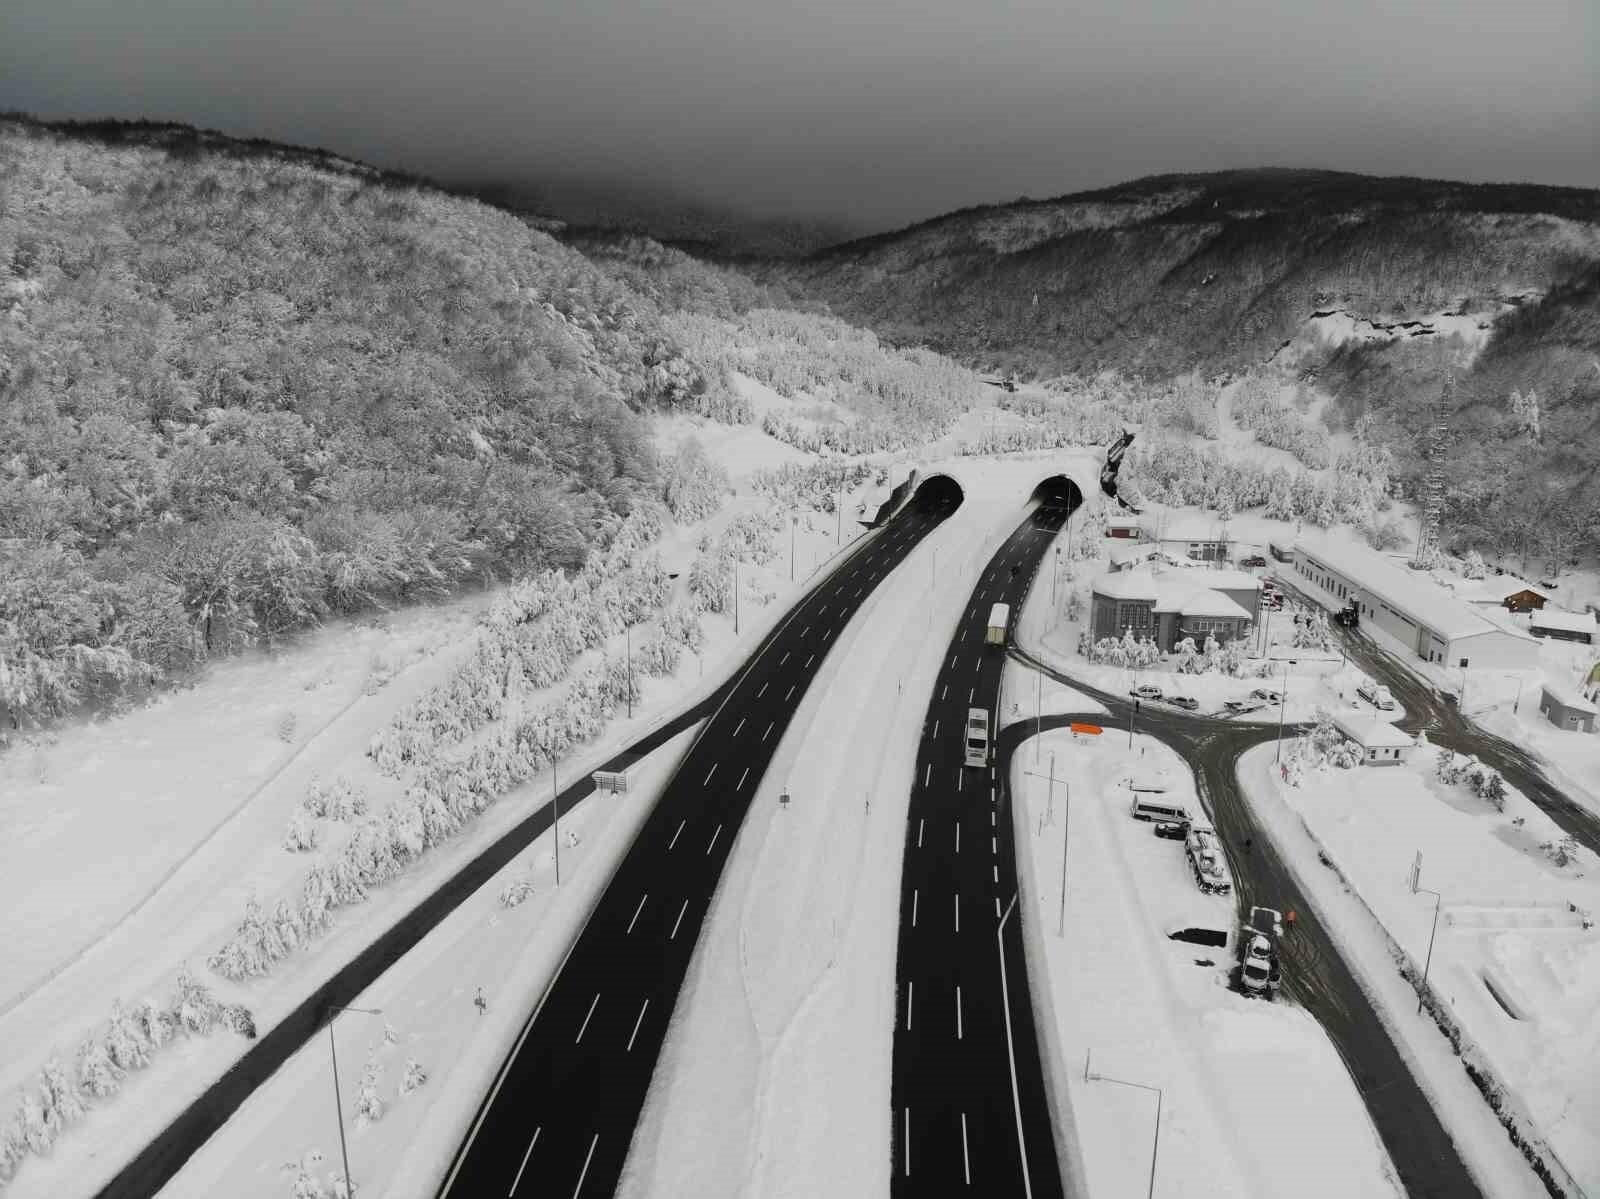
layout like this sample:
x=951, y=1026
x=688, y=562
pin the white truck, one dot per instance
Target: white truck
x=1207, y=860
x=1258, y=952
x=999, y=621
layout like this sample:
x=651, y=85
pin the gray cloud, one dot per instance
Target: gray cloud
x=880, y=111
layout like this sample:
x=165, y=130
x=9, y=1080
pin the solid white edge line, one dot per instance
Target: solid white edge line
x=526, y=1155
x=584, y=1173
x=1011, y=1051
x=593, y=1003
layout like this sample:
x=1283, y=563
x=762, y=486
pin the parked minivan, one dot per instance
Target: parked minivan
x=1147, y=808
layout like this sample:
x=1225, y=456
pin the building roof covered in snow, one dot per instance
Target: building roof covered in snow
x=1569, y=697
x=1193, y=528
x=1566, y=622
x=1409, y=591
x=1496, y=589
x=1203, y=602
x=1129, y=555
x=1127, y=585
x=1187, y=592
x=1369, y=732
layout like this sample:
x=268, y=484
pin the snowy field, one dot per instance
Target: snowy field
x=1512, y=961
x=1256, y=1101
x=1369, y=950
x=427, y=1001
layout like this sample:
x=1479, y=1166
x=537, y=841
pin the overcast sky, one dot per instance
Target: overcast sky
x=877, y=111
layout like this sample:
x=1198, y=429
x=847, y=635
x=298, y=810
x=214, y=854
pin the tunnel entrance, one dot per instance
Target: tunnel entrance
x=1057, y=491
x=938, y=493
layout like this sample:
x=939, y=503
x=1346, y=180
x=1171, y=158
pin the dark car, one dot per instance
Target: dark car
x=1173, y=830
x=1187, y=702
x=1254, y=561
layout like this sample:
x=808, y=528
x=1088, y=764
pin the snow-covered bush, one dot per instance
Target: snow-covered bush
x=98, y=1075
x=516, y=892
x=815, y=485
x=413, y=1077
x=287, y=723
x=692, y=484
x=1472, y=566
x=369, y=1104
x=302, y=834
x=196, y=1009
x=1312, y=632
x=1562, y=851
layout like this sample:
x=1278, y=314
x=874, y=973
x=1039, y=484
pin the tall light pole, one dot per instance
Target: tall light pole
x=1283, y=703
x=794, y=520
x=1437, y=899
x=1055, y=571
x=1066, y=820
x=1155, y=1140
x=1038, y=714
x=338, y=1104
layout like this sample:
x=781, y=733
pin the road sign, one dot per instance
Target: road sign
x=1087, y=730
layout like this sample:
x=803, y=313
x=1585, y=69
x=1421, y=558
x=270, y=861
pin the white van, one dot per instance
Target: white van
x=1151, y=806
x=999, y=620
x=977, y=737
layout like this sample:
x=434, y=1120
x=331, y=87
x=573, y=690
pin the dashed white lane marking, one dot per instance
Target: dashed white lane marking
x=763, y=690
x=996, y=870
x=910, y=990
x=789, y=694
x=805, y=630
x=636, y=1024
x=927, y=774
x=679, y=833
x=977, y=664
x=943, y=691
x=740, y=784
x=908, y=1142
x=673, y=935
x=958, y=836
x=914, y=897
x=738, y=726
x=966, y=1162
x=713, y=840
x=971, y=691
x=785, y=657
x=809, y=657
x=920, y=822
x=997, y=907
x=960, y=774
x=957, y=898
x=768, y=733
x=994, y=842
x=526, y=1155
x=592, y=1003
x=958, y=1012
x=637, y=910
x=711, y=772
x=991, y=819
x=935, y=730
x=584, y=1173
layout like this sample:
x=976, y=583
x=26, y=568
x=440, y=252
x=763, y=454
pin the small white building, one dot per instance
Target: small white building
x=1381, y=743
x=1410, y=607
x=1566, y=708
x=1198, y=538
x=1563, y=626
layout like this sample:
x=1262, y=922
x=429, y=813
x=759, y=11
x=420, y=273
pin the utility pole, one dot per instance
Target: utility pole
x=793, y=522
x=1054, y=572
x=1416, y=875
x=1066, y=821
x=1131, y=711
x=1155, y=1141
x=1283, y=702
x=338, y=1104
x=1038, y=714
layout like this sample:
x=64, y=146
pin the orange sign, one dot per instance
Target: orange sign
x=1091, y=730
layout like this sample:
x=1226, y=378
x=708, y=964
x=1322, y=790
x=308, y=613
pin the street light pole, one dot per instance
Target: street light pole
x=1066, y=820
x=1427, y=963
x=1155, y=1140
x=338, y=1104
x=1038, y=714
x=1283, y=703
x=793, y=521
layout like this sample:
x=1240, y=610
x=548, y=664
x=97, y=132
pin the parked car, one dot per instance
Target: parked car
x=1253, y=561
x=1146, y=691
x=1240, y=706
x=1173, y=830
x=1376, y=694
x=1187, y=702
x=1267, y=695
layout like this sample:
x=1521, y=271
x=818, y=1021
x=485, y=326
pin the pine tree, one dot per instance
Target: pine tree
x=126, y=1040
x=98, y=1075
x=40, y=1123
x=157, y=1022
x=369, y=1104
x=413, y=1077
x=302, y=834
x=60, y=1092
x=196, y=1008
x=14, y=1147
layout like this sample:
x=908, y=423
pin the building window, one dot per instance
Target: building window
x=1463, y=663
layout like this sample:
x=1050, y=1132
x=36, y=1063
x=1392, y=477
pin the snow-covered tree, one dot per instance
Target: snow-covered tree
x=1494, y=790
x=98, y=1075
x=40, y=1123
x=157, y=1023
x=196, y=1008
x=413, y=1077
x=1472, y=566
x=13, y=1147
x=1187, y=657
x=126, y=1040
x=302, y=834
x=369, y=1104
x=516, y=892
x=1312, y=632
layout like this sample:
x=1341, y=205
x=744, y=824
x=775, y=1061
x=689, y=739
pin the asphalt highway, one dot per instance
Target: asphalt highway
x=562, y=1111
x=1314, y=973
x=970, y=1111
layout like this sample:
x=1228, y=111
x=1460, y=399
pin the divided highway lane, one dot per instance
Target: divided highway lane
x=970, y=1110
x=561, y=1114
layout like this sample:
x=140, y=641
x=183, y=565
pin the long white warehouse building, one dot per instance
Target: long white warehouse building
x=1410, y=607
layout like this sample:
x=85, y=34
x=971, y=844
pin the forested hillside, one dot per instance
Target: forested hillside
x=1215, y=274
x=242, y=386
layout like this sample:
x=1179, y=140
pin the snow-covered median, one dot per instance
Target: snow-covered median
x=1255, y=1099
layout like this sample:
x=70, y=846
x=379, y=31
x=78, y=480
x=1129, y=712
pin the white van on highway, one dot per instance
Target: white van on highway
x=977, y=737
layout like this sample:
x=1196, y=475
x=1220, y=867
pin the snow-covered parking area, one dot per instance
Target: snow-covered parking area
x=1256, y=1101
x=1513, y=963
